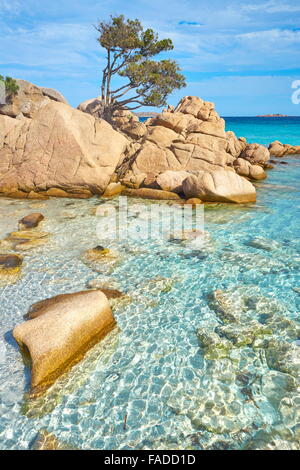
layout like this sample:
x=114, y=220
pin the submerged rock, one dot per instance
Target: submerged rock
x=10, y=268
x=59, y=332
x=48, y=441
x=263, y=244
x=283, y=356
x=214, y=347
x=102, y=283
x=24, y=240
x=243, y=335
x=264, y=440
x=224, y=307
x=101, y=259
x=27, y=235
x=10, y=262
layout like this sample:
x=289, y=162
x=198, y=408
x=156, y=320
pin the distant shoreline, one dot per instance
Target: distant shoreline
x=273, y=115
x=153, y=114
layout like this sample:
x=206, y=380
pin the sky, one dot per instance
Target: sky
x=241, y=54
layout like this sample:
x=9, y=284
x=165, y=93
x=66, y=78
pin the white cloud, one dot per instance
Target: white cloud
x=9, y=6
x=272, y=7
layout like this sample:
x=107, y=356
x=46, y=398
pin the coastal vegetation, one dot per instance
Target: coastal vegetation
x=129, y=52
x=11, y=86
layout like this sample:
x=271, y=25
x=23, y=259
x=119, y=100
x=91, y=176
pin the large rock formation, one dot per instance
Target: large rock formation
x=188, y=139
x=48, y=148
x=29, y=99
x=59, y=149
x=277, y=149
x=60, y=330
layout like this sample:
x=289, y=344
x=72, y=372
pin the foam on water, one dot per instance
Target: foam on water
x=151, y=384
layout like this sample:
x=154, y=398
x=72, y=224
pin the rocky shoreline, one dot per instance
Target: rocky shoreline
x=49, y=149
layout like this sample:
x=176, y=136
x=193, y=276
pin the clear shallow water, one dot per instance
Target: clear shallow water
x=153, y=373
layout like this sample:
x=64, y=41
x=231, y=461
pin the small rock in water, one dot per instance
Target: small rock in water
x=10, y=261
x=31, y=220
x=104, y=282
x=243, y=378
x=284, y=357
x=61, y=329
x=48, y=441
x=296, y=289
x=224, y=307
x=26, y=235
x=194, y=201
x=263, y=244
x=214, y=347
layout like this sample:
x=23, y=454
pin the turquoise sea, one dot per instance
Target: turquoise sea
x=207, y=351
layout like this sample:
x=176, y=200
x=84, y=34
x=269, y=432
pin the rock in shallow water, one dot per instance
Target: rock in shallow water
x=10, y=261
x=219, y=186
x=147, y=193
x=31, y=220
x=284, y=357
x=48, y=441
x=60, y=331
x=214, y=346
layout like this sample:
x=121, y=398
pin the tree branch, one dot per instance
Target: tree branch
x=124, y=92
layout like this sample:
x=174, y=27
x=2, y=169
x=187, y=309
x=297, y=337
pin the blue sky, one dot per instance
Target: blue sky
x=241, y=54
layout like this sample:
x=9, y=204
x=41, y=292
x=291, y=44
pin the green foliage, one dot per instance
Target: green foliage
x=154, y=80
x=11, y=86
x=129, y=50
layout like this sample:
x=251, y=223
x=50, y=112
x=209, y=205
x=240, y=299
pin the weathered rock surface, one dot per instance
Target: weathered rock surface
x=91, y=106
x=194, y=201
x=221, y=185
x=244, y=168
x=57, y=151
x=172, y=180
x=277, y=149
x=29, y=99
x=113, y=189
x=190, y=138
x=256, y=154
x=235, y=146
x=60, y=149
x=148, y=193
x=60, y=331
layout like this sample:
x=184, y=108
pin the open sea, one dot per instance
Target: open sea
x=206, y=355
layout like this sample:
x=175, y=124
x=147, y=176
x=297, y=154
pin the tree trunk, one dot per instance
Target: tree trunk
x=107, y=113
